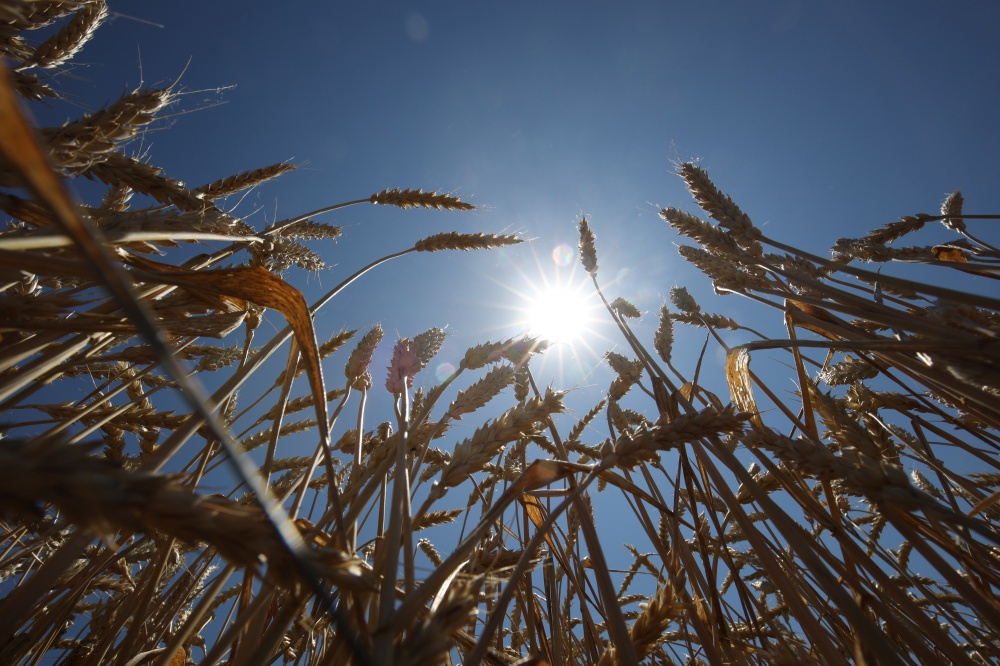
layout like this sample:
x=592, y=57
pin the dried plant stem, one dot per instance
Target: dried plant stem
x=400, y=493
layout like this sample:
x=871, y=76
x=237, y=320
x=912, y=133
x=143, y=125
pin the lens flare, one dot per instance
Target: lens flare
x=562, y=255
x=444, y=371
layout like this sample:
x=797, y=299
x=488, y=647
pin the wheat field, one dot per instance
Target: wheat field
x=851, y=522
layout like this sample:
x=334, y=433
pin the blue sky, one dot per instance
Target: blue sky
x=821, y=119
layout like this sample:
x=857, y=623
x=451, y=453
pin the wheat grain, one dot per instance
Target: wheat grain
x=708, y=236
x=895, y=230
x=427, y=548
x=361, y=358
x=644, y=445
x=62, y=46
x=663, y=339
x=472, y=454
x=629, y=370
x=725, y=275
x=280, y=255
x=483, y=354
x=252, y=442
x=419, y=199
x=650, y=626
x=683, y=300
x=588, y=250
x=465, y=242
x=402, y=367
x=426, y=345
x=76, y=144
x=481, y=392
x=722, y=208
x=703, y=320
x=309, y=230
x=625, y=309
x=114, y=168
x=30, y=86
x=41, y=13
x=848, y=371
x=225, y=187
x=864, y=250
x=951, y=212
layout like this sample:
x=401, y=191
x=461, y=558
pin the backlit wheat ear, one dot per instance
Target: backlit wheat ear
x=63, y=45
x=419, y=199
x=426, y=346
x=117, y=198
x=30, y=86
x=588, y=251
x=707, y=235
x=631, y=449
x=35, y=15
x=657, y=615
x=895, y=230
x=683, y=300
x=482, y=354
x=309, y=230
x=481, y=392
x=361, y=357
x=722, y=209
x=848, y=371
x=75, y=143
x=625, y=309
x=951, y=209
x=144, y=178
x=706, y=320
x=726, y=275
x=663, y=340
x=456, y=241
x=242, y=181
x=471, y=455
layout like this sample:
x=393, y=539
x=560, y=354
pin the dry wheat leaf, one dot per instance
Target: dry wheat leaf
x=536, y=514
x=260, y=286
x=220, y=301
x=949, y=253
x=740, y=386
x=817, y=320
x=542, y=473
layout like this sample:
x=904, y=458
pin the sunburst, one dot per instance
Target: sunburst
x=561, y=314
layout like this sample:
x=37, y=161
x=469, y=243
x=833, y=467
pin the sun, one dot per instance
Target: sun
x=560, y=314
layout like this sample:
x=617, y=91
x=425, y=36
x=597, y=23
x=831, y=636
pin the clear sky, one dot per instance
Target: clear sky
x=821, y=119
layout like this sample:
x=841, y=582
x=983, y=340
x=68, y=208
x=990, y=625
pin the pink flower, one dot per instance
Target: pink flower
x=402, y=369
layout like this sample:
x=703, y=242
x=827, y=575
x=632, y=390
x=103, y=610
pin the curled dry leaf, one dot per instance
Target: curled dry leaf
x=257, y=285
